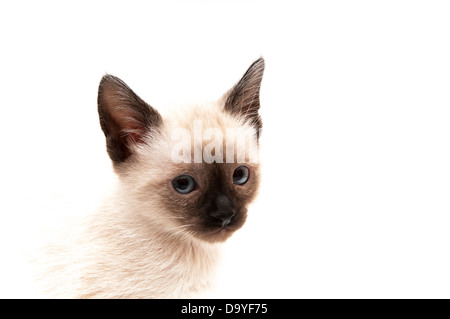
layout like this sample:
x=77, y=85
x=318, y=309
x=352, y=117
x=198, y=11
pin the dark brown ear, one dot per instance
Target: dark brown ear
x=243, y=99
x=124, y=117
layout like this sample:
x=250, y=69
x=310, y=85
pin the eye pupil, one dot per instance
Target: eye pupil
x=183, y=184
x=241, y=175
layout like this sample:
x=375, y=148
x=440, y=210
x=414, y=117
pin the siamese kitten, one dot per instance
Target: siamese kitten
x=183, y=189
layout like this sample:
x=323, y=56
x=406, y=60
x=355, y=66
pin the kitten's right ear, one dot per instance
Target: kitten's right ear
x=243, y=99
x=124, y=117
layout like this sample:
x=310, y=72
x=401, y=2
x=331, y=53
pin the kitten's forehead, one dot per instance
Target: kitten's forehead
x=211, y=114
x=206, y=133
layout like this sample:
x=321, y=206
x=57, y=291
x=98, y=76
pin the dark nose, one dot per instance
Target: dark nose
x=224, y=211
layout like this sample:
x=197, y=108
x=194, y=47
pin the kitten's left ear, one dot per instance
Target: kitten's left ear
x=243, y=99
x=124, y=117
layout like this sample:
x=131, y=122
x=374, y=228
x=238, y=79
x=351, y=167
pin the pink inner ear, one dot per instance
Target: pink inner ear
x=132, y=132
x=137, y=137
x=129, y=124
x=129, y=138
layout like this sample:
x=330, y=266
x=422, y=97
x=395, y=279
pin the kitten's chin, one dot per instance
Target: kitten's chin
x=212, y=233
x=219, y=235
x=212, y=230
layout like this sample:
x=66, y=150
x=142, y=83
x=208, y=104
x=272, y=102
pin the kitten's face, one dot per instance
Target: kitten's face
x=217, y=204
x=194, y=179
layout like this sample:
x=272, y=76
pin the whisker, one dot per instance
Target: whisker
x=179, y=230
x=173, y=217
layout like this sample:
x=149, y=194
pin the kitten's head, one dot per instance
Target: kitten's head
x=194, y=171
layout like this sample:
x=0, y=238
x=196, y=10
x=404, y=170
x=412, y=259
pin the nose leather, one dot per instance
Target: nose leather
x=224, y=211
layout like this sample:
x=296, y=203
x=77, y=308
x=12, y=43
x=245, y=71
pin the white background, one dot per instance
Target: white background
x=355, y=197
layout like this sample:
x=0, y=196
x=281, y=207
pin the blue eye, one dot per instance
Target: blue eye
x=241, y=175
x=184, y=184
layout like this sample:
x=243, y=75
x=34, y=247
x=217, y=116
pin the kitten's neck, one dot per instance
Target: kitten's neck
x=169, y=264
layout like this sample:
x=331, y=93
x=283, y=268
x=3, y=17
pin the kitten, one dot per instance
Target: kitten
x=183, y=189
